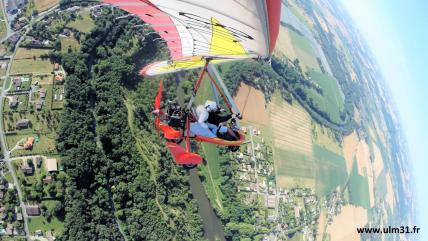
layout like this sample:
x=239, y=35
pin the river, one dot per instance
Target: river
x=213, y=228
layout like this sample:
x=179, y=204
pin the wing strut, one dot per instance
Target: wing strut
x=222, y=89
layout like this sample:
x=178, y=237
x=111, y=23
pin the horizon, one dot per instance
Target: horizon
x=396, y=36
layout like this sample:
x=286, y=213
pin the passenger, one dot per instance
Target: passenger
x=211, y=123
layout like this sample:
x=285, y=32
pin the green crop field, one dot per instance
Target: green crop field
x=358, y=188
x=331, y=170
x=83, y=22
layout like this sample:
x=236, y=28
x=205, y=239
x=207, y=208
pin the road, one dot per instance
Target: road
x=253, y=156
x=6, y=152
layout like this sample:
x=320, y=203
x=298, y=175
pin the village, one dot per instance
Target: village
x=31, y=176
x=287, y=210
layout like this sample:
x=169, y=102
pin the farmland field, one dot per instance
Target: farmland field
x=304, y=51
x=29, y=61
x=252, y=104
x=291, y=126
x=358, y=188
x=294, y=169
x=353, y=217
x=330, y=170
x=284, y=44
x=292, y=142
x=43, y=5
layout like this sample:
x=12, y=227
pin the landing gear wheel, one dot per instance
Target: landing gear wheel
x=176, y=141
x=188, y=167
x=233, y=148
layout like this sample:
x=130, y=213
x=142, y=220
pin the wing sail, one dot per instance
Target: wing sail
x=220, y=29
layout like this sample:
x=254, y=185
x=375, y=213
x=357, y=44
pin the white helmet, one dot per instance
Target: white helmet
x=210, y=105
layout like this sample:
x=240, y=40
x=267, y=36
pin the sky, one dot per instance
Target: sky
x=397, y=34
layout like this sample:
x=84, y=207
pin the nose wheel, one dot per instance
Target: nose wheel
x=233, y=148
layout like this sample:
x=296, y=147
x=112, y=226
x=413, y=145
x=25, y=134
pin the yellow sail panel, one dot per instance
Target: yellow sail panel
x=221, y=36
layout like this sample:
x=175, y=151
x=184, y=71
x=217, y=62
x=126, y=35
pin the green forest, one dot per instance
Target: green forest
x=113, y=191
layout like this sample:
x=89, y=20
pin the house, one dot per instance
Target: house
x=51, y=165
x=17, y=82
x=38, y=233
x=66, y=32
x=19, y=216
x=14, y=38
x=249, y=150
x=32, y=210
x=56, y=66
x=2, y=52
x=73, y=9
x=296, y=212
x=42, y=93
x=1, y=195
x=39, y=105
x=14, y=102
x=27, y=170
x=29, y=143
x=22, y=124
x=59, y=77
x=39, y=161
x=9, y=229
x=47, y=180
x=2, y=187
x=3, y=215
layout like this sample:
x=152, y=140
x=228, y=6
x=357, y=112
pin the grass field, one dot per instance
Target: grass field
x=84, y=23
x=69, y=43
x=211, y=172
x=3, y=29
x=26, y=53
x=331, y=101
x=358, y=188
x=304, y=51
x=29, y=61
x=325, y=138
x=294, y=169
x=41, y=223
x=330, y=170
x=43, y=5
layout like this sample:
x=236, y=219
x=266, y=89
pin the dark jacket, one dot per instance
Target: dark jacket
x=216, y=117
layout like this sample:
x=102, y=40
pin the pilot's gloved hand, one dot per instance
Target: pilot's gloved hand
x=238, y=116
